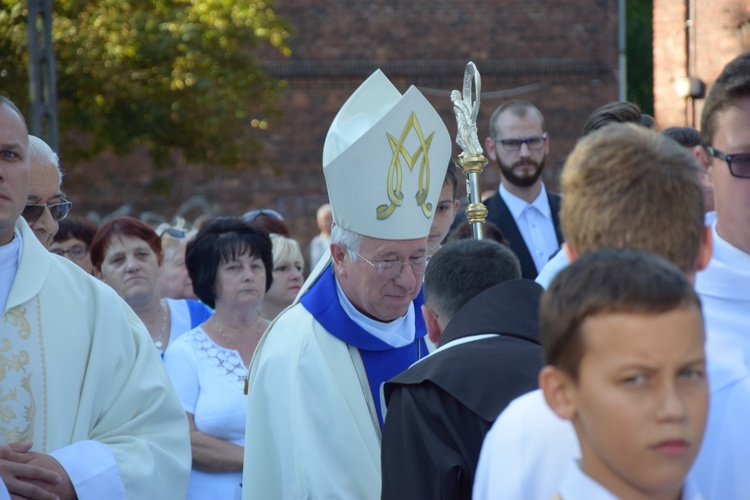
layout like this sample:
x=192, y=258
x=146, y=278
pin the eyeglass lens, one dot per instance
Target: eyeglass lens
x=59, y=211
x=739, y=164
x=533, y=143
x=75, y=252
x=392, y=269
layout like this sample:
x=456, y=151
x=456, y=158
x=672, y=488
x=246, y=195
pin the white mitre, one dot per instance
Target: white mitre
x=384, y=161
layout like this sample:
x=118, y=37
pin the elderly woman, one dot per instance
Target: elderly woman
x=287, y=276
x=46, y=205
x=73, y=241
x=126, y=255
x=174, y=281
x=229, y=262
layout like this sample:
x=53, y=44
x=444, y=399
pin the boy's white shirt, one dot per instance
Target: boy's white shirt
x=577, y=485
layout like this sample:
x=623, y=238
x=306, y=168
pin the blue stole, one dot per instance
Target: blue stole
x=382, y=361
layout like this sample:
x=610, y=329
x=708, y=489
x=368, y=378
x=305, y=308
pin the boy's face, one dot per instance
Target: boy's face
x=641, y=400
x=444, y=215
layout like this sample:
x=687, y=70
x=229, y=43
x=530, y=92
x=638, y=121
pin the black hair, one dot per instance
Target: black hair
x=222, y=240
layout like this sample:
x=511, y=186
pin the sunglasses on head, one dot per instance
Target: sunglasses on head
x=33, y=211
x=174, y=233
x=254, y=214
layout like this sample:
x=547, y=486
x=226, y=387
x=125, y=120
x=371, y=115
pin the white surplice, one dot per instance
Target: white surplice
x=724, y=289
x=312, y=435
x=81, y=378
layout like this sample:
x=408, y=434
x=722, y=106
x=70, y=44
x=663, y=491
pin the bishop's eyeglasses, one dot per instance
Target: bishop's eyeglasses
x=390, y=269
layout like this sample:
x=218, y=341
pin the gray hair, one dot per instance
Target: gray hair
x=347, y=239
x=41, y=153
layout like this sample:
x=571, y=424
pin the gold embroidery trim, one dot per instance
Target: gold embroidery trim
x=16, y=363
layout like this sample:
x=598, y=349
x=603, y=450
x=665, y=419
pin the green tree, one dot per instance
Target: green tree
x=640, y=53
x=171, y=75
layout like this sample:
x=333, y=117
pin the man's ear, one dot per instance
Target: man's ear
x=570, y=252
x=489, y=146
x=558, y=389
x=701, y=155
x=706, y=249
x=431, y=323
x=704, y=161
x=338, y=252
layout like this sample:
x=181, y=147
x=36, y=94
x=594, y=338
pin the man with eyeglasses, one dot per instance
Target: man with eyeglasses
x=522, y=208
x=87, y=408
x=724, y=287
x=314, y=413
x=46, y=204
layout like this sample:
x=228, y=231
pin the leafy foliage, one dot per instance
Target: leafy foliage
x=174, y=75
x=640, y=54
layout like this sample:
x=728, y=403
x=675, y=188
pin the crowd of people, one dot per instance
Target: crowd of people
x=592, y=346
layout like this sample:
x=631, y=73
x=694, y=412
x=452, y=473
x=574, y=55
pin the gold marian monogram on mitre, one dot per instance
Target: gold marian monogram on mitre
x=395, y=172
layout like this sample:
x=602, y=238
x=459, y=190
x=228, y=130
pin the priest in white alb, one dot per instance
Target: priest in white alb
x=86, y=408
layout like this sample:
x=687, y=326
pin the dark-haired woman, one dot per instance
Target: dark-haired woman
x=73, y=241
x=127, y=255
x=229, y=263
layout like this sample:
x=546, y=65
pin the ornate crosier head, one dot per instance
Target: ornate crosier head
x=466, y=109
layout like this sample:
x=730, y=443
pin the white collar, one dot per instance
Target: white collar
x=516, y=205
x=576, y=484
x=728, y=272
x=396, y=333
x=728, y=253
x=10, y=256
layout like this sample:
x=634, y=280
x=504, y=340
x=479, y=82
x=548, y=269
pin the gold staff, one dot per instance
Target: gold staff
x=471, y=160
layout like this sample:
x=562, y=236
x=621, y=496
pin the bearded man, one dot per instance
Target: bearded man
x=523, y=209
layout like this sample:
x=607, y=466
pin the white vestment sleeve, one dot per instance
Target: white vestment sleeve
x=92, y=469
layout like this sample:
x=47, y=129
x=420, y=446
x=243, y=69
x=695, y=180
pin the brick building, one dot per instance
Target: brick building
x=693, y=39
x=562, y=56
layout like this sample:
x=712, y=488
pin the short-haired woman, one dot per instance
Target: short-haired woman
x=73, y=241
x=287, y=276
x=229, y=262
x=126, y=255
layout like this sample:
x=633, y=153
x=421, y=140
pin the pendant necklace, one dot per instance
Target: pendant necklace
x=157, y=341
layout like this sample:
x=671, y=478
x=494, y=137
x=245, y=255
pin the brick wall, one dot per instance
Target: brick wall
x=720, y=31
x=562, y=56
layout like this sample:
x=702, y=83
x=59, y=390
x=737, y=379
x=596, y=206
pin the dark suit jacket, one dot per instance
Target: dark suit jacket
x=499, y=213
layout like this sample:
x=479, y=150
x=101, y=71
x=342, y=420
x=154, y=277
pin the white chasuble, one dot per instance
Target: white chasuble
x=81, y=379
x=23, y=411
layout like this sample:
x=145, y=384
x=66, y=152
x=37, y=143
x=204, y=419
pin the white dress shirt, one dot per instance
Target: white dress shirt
x=576, y=485
x=534, y=221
